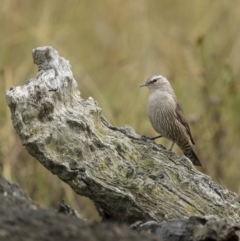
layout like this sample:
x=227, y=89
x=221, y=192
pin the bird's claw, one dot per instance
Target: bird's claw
x=146, y=138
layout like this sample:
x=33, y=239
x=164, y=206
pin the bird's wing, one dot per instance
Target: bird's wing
x=181, y=118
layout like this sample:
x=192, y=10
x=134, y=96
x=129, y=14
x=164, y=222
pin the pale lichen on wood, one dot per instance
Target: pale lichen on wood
x=131, y=178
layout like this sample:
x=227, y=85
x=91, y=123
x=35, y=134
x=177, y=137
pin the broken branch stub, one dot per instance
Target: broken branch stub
x=130, y=178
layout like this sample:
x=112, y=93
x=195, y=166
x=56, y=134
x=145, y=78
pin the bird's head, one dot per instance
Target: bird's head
x=157, y=82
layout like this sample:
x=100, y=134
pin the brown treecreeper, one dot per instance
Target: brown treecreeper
x=167, y=117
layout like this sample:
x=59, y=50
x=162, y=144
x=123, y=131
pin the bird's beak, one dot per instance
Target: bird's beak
x=143, y=85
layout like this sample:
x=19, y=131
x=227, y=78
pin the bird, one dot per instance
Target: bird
x=167, y=117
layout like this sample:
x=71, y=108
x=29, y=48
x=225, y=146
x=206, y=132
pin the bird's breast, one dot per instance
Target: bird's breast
x=161, y=111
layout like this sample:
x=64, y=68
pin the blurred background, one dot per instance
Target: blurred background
x=113, y=47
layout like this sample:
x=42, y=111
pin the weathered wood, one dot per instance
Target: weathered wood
x=22, y=219
x=17, y=210
x=129, y=177
x=190, y=229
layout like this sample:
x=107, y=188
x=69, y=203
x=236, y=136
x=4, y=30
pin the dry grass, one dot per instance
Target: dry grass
x=113, y=46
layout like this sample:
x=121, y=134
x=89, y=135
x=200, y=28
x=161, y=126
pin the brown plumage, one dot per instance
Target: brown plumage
x=167, y=117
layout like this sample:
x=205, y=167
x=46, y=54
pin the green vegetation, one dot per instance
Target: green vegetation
x=113, y=47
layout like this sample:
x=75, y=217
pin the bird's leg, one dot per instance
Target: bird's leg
x=172, y=146
x=154, y=138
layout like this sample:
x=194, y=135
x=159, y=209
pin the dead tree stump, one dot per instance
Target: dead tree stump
x=129, y=177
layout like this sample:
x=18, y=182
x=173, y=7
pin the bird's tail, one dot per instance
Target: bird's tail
x=188, y=152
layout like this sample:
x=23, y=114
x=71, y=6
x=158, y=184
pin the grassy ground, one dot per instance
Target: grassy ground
x=113, y=46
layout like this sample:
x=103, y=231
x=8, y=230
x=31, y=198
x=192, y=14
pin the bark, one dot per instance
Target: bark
x=129, y=177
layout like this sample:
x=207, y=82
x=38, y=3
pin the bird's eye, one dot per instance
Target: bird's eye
x=154, y=81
